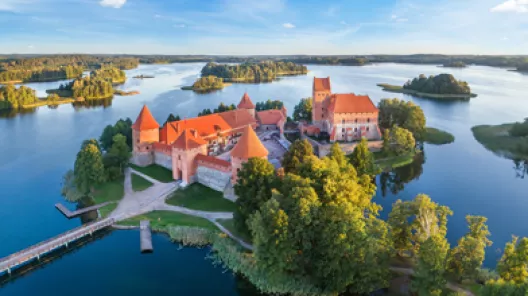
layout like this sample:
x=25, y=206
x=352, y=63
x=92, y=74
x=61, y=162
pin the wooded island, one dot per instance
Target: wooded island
x=253, y=72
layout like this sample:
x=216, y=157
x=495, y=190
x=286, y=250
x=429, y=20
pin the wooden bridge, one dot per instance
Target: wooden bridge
x=69, y=214
x=34, y=252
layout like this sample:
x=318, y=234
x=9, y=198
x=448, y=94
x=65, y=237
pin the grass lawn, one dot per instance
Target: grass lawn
x=392, y=162
x=198, y=197
x=496, y=138
x=106, y=210
x=155, y=171
x=139, y=183
x=438, y=137
x=109, y=191
x=162, y=219
x=230, y=225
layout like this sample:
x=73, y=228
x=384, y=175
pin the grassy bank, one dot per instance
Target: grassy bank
x=44, y=102
x=155, y=171
x=163, y=219
x=438, y=137
x=391, y=162
x=229, y=224
x=198, y=197
x=400, y=89
x=497, y=139
x=139, y=183
x=110, y=191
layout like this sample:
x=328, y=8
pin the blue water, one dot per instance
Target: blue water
x=37, y=148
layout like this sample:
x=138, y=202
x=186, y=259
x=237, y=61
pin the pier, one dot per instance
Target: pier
x=69, y=214
x=7, y=264
x=145, y=236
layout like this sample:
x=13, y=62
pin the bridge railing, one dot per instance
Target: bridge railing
x=58, y=239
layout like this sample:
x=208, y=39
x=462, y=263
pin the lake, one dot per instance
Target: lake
x=36, y=148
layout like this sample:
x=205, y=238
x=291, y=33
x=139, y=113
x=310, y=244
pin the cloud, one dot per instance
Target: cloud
x=343, y=23
x=402, y=20
x=288, y=25
x=15, y=5
x=113, y=3
x=511, y=6
x=31, y=46
x=179, y=26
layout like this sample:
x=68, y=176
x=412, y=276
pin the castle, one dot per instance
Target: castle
x=344, y=117
x=211, y=149
x=208, y=149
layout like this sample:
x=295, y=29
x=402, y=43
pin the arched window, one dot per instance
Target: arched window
x=368, y=119
x=343, y=121
x=356, y=120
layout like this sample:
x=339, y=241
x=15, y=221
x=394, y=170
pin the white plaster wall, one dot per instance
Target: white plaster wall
x=163, y=160
x=212, y=178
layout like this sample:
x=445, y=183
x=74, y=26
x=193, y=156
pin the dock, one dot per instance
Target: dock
x=7, y=264
x=69, y=214
x=145, y=236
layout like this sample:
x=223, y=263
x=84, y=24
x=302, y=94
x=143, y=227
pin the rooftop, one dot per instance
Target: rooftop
x=188, y=140
x=270, y=116
x=321, y=84
x=351, y=103
x=145, y=120
x=249, y=145
x=246, y=103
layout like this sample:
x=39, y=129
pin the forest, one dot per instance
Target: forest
x=41, y=74
x=253, y=72
x=439, y=84
x=205, y=83
x=14, y=98
x=89, y=88
x=113, y=74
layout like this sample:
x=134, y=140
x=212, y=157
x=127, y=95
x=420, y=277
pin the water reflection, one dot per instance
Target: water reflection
x=521, y=168
x=395, y=180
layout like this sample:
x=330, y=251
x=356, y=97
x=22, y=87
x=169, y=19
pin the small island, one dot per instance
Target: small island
x=143, y=76
x=443, y=86
x=523, y=68
x=507, y=140
x=253, y=72
x=207, y=84
x=455, y=64
x=119, y=92
x=115, y=75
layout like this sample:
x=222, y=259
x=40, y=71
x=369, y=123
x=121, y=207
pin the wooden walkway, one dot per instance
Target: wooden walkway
x=34, y=252
x=145, y=236
x=69, y=214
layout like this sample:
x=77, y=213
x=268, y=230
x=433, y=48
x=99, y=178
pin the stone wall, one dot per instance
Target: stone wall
x=163, y=160
x=212, y=178
x=142, y=158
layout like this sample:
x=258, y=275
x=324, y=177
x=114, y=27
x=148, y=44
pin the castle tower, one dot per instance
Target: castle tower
x=321, y=90
x=248, y=146
x=284, y=111
x=145, y=131
x=246, y=103
x=184, y=150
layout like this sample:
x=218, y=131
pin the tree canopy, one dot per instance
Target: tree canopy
x=88, y=168
x=253, y=72
x=296, y=154
x=363, y=160
x=404, y=114
x=112, y=74
x=123, y=127
x=303, y=110
x=269, y=105
x=439, y=84
x=14, y=98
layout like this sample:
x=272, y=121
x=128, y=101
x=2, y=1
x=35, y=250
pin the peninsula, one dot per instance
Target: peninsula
x=455, y=64
x=507, y=140
x=443, y=87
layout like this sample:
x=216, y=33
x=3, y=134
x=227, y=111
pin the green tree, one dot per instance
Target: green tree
x=303, y=110
x=513, y=266
x=363, y=160
x=296, y=154
x=120, y=151
x=337, y=154
x=172, y=118
x=53, y=98
x=400, y=141
x=395, y=112
x=89, y=168
x=467, y=257
x=429, y=275
x=255, y=181
x=69, y=190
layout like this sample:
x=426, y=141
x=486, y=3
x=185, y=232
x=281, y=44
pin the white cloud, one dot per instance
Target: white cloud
x=157, y=16
x=402, y=20
x=505, y=38
x=288, y=25
x=15, y=5
x=511, y=6
x=393, y=17
x=343, y=23
x=31, y=46
x=113, y=3
x=179, y=26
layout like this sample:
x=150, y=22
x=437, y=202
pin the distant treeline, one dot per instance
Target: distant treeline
x=253, y=72
x=269, y=105
x=14, y=98
x=41, y=74
x=439, y=84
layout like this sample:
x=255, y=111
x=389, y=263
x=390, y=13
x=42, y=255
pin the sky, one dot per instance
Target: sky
x=271, y=27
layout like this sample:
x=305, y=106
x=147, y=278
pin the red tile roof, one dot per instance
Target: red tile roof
x=245, y=102
x=187, y=140
x=249, y=145
x=351, y=103
x=145, y=120
x=321, y=84
x=213, y=160
x=270, y=116
x=208, y=125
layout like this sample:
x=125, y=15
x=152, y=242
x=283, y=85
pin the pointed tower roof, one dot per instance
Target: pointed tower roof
x=145, y=120
x=188, y=140
x=245, y=102
x=249, y=145
x=321, y=84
